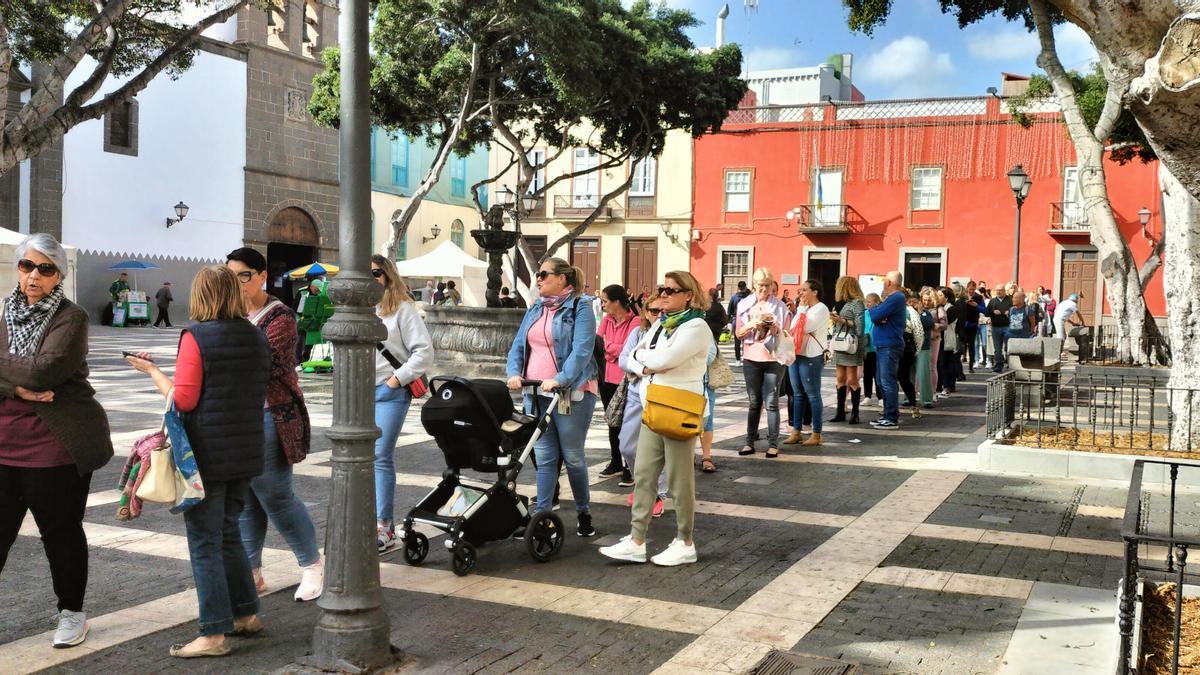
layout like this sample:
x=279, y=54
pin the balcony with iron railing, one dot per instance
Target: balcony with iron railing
x=578, y=207
x=1068, y=218
x=823, y=219
x=640, y=207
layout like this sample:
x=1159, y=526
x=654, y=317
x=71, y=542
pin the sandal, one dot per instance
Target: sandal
x=772, y=453
x=707, y=466
x=184, y=652
x=748, y=450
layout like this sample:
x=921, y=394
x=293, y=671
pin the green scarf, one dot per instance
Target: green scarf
x=677, y=319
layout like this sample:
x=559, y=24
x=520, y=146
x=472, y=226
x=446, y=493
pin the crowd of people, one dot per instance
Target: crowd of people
x=650, y=359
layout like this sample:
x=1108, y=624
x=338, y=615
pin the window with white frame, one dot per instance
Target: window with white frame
x=644, y=171
x=1072, y=208
x=737, y=191
x=585, y=190
x=735, y=267
x=536, y=159
x=927, y=188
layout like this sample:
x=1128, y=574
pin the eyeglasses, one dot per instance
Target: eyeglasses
x=44, y=269
x=376, y=272
x=245, y=276
x=669, y=291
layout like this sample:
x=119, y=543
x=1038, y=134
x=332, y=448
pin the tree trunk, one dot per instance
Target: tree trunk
x=1181, y=277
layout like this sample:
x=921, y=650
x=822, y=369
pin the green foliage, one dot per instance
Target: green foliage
x=544, y=64
x=1090, y=90
x=867, y=15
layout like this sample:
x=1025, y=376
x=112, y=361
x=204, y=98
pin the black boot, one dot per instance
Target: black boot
x=854, y=396
x=841, y=406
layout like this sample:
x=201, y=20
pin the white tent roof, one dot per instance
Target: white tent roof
x=447, y=260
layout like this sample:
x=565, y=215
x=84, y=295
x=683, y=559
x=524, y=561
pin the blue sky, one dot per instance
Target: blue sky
x=920, y=51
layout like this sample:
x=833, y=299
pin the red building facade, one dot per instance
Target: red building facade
x=920, y=186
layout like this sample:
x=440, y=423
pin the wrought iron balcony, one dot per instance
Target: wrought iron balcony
x=1068, y=218
x=826, y=218
x=578, y=207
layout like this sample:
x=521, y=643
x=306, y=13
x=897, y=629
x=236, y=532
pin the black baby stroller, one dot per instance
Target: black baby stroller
x=475, y=425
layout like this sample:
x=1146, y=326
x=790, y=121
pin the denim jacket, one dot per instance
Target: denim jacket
x=574, y=331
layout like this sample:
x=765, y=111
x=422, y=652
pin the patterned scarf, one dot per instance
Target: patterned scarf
x=27, y=323
x=676, y=319
x=553, y=302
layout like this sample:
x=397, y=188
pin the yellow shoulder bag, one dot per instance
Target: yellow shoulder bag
x=672, y=412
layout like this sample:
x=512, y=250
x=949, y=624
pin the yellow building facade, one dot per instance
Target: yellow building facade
x=642, y=234
x=452, y=222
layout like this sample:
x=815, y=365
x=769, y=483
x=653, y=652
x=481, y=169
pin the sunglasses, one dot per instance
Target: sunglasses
x=654, y=310
x=44, y=269
x=669, y=291
x=542, y=274
x=245, y=276
x=376, y=272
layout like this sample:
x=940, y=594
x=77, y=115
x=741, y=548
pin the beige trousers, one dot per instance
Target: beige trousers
x=653, y=452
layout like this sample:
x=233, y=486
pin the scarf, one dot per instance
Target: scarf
x=676, y=319
x=27, y=323
x=553, y=302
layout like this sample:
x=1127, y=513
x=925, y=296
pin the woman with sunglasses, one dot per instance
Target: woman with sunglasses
x=631, y=423
x=409, y=345
x=286, y=431
x=760, y=318
x=53, y=432
x=673, y=353
x=554, y=344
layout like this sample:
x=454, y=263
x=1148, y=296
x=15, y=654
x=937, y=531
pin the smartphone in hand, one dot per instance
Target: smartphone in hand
x=135, y=355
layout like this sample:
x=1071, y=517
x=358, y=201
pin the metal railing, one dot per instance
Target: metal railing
x=826, y=217
x=1126, y=413
x=1136, y=530
x=1068, y=217
x=1098, y=347
x=582, y=206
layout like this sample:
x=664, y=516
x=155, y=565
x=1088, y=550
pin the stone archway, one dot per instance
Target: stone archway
x=292, y=241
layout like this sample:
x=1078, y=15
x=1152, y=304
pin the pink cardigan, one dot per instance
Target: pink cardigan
x=614, y=335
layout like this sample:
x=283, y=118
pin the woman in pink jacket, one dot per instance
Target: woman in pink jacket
x=618, y=322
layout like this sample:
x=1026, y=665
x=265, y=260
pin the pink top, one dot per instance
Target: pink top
x=189, y=374
x=614, y=335
x=542, y=363
x=25, y=440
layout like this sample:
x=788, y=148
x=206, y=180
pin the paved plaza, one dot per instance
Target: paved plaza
x=881, y=549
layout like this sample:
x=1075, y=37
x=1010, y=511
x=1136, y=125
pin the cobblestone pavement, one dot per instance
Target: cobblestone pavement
x=880, y=548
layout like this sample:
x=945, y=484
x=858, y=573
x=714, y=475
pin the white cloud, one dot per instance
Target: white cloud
x=1007, y=44
x=769, y=58
x=909, y=67
x=1075, y=48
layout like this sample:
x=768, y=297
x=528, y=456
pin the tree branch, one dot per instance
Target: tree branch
x=583, y=226
x=88, y=88
x=488, y=181
x=5, y=66
x=1153, y=262
x=1112, y=103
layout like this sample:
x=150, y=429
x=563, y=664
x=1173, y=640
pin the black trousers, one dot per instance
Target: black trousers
x=737, y=349
x=57, y=497
x=163, y=316
x=947, y=373
x=614, y=433
x=908, y=359
x=868, y=379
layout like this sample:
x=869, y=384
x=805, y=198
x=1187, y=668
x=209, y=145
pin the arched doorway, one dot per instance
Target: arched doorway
x=292, y=241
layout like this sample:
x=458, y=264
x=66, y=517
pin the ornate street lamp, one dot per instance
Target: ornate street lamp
x=181, y=211
x=352, y=631
x=1019, y=183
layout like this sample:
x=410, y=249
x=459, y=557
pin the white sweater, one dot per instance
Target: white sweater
x=682, y=357
x=408, y=340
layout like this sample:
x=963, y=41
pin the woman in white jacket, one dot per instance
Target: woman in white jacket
x=674, y=353
x=407, y=353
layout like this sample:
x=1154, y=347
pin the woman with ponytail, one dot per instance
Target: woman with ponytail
x=555, y=345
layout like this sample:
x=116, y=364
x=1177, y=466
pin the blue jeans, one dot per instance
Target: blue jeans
x=224, y=584
x=805, y=373
x=564, y=438
x=762, y=388
x=271, y=496
x=391, y=407
x=999, y=343
x=887, y=374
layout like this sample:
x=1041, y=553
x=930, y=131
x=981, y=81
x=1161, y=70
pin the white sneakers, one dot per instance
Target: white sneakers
x=678, y=553
x=626, y=550
x=73, y=628
x=312, y=581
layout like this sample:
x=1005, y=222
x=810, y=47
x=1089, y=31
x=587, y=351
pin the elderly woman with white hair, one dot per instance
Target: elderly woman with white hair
x=53, y=432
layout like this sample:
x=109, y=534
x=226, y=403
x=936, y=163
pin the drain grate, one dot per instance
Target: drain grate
x=791, y=663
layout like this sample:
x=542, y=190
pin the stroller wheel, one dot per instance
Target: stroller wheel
x=416, y=547
x=463, y=558
x=544, y=536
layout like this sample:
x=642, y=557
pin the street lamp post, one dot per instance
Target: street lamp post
x=352, y=631
x=1019, y=182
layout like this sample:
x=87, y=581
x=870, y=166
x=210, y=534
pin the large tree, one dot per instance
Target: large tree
x=132, y=39
x=1148, y=57
x=536, y=73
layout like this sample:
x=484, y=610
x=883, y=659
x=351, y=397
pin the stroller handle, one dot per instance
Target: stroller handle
x=535, y=384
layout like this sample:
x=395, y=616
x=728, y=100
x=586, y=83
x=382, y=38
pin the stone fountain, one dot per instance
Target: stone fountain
x=474, y=341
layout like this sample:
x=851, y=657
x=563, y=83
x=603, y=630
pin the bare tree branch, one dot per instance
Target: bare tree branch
x=88, y=88
x=5, y=64
x=488, y=181
x=1153, y=262
x=1112, y=103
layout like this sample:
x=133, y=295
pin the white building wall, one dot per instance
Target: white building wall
x=191, y=147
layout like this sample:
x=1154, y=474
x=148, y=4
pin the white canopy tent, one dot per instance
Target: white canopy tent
x=9, y=241
x=448, y=261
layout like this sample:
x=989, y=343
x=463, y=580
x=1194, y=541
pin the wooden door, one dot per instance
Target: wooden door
x=537, y=247
x=1079, y=269
x=585, y=254
x=641, y=264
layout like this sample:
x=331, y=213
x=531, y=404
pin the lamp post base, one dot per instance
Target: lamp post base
x=354, y=642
